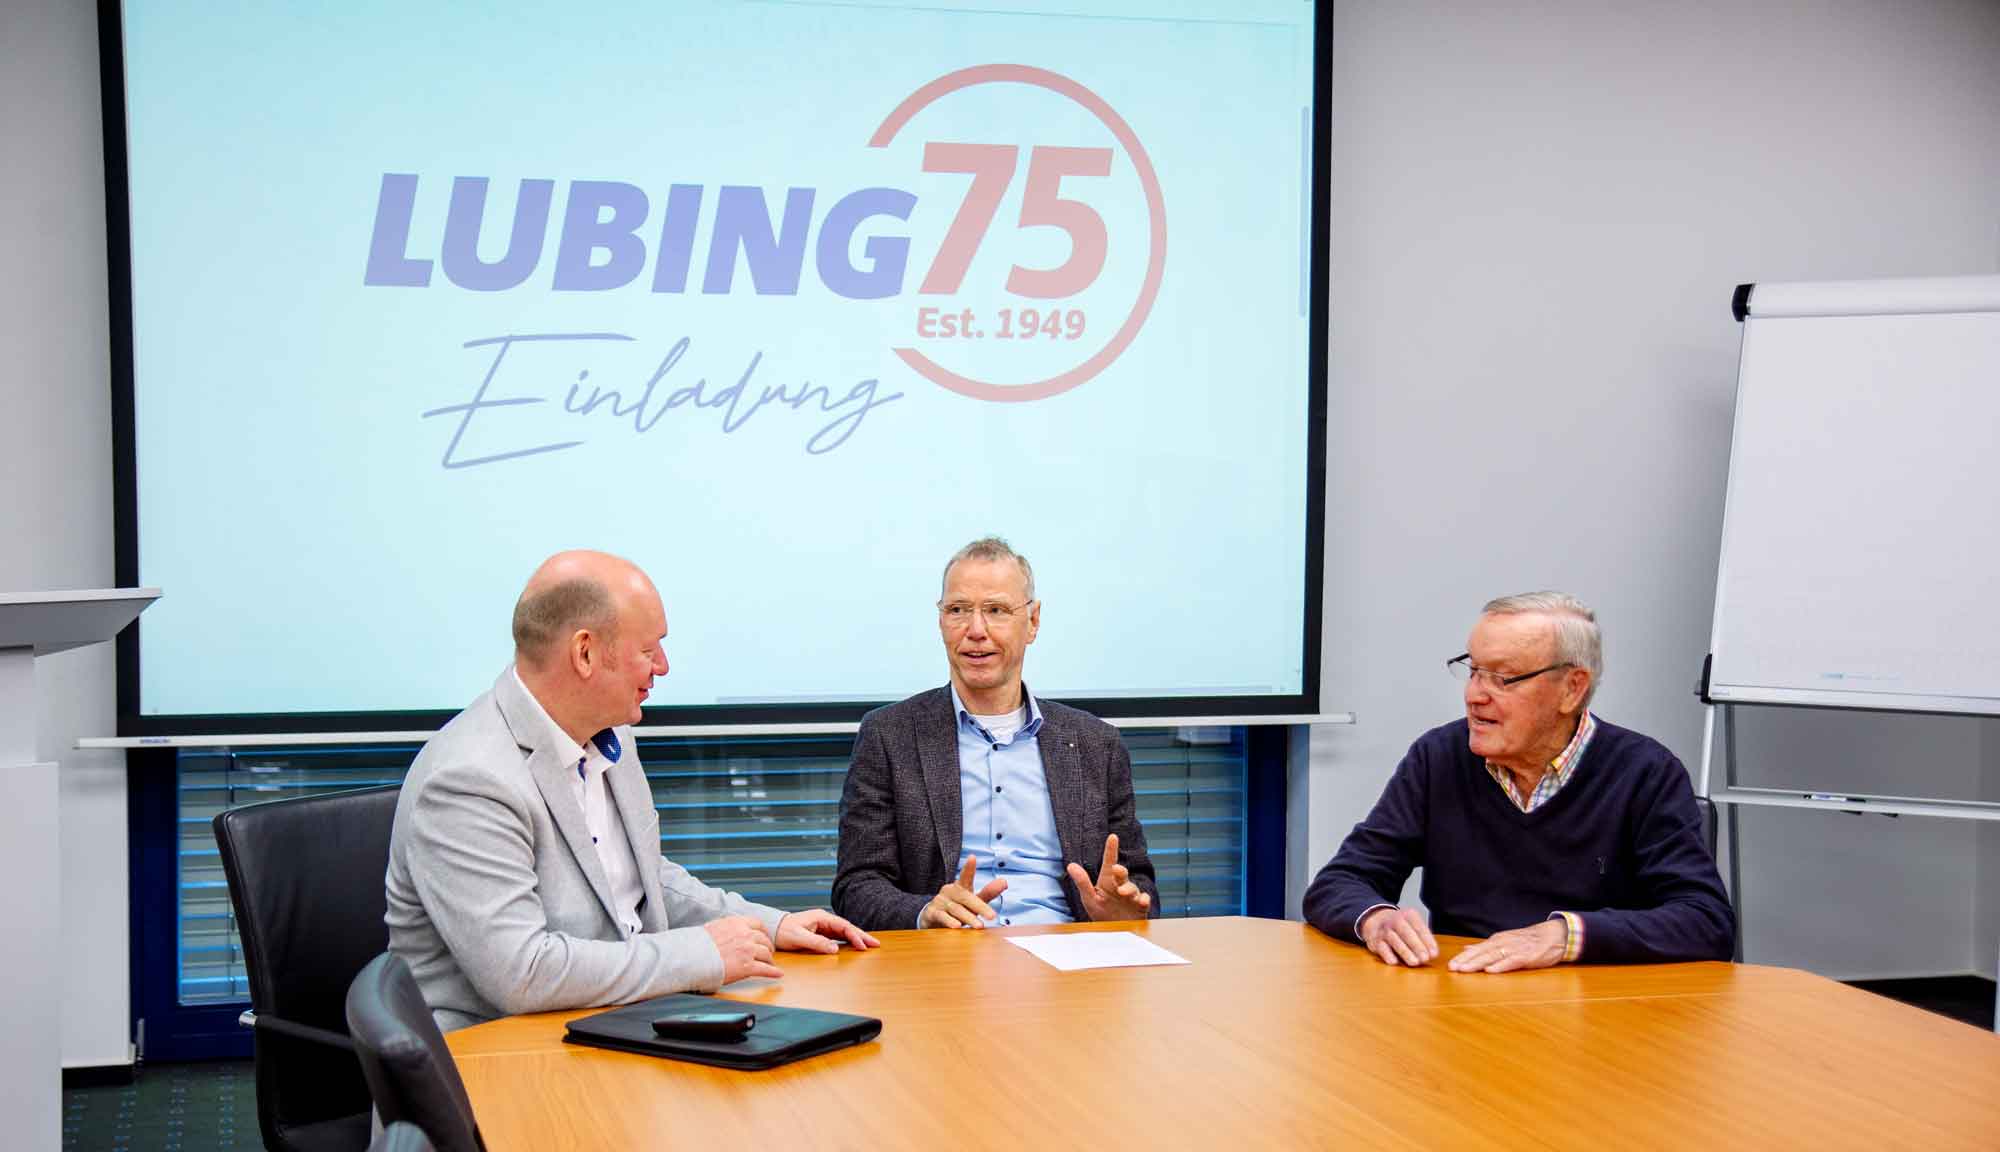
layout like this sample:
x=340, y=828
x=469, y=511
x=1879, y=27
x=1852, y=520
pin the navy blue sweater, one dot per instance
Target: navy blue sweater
x=1621, y=844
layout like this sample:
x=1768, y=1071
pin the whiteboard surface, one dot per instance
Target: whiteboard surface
x=1860, y=560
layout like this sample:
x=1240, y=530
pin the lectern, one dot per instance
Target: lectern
x=36, y=624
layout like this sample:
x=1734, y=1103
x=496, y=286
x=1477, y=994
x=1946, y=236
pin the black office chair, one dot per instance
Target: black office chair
x=1707, y=809
x=410, y=1071
x=402, y=1138
x=305, y=879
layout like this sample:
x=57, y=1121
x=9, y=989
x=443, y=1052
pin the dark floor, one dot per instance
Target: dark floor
x=213, y=1107
x=167, y=1108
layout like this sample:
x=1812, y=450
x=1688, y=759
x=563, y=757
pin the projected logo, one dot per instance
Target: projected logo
x=1042, y=206
x=1005, y=311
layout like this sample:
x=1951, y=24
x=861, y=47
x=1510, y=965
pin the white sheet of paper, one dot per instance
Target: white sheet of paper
x=1075, y=951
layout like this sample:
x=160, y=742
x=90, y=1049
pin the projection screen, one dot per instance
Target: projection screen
x=785, y=301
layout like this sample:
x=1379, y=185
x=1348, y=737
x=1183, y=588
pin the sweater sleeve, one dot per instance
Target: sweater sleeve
x=1378, y=855
x=1681, y=911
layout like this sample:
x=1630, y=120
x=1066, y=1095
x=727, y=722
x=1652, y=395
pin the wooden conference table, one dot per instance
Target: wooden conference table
x=1273, y=1037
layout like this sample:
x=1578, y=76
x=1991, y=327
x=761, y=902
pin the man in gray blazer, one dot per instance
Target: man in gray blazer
x=1025, y=788
x=524, y=871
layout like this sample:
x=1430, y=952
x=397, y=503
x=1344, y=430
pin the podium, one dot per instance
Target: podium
x=36, y=624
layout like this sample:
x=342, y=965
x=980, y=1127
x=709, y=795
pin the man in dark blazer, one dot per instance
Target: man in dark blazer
x=975, y=803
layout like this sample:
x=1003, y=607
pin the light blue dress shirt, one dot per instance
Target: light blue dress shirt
x=1008, y=820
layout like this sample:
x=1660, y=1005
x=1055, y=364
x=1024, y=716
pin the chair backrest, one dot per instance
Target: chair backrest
x=1707, y=809
x=409, y=1069
x=306, y=880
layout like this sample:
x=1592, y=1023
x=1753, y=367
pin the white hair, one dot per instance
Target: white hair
x=1578, y=640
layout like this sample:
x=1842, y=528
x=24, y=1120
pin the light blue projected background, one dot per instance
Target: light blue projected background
x=324, y=545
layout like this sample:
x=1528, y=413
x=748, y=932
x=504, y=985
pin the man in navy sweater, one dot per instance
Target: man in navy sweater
x=1553, y=835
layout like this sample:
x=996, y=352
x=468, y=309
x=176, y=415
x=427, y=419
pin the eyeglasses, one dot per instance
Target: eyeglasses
x=998, y=613
x=1462, y=669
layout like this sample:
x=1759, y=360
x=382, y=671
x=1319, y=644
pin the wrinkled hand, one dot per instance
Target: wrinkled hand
x=1399, y=936
x=817, y=930
x=1536, y=946
x=1113, y=896
x=957, y=906
x=745, y=948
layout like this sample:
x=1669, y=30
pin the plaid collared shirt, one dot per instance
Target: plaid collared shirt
x=1558, y=774
x=1551, y=783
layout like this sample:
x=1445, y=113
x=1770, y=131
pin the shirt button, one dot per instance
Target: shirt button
x=1006, y=921
x=1003, y=863
x=999, y=835
x=996, y=787
x=996, y=747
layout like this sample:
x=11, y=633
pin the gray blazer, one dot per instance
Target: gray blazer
x=497, y=899
x=902, y=818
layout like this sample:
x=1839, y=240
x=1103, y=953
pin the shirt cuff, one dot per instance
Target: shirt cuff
x=1364, y=916
x=1573, y=944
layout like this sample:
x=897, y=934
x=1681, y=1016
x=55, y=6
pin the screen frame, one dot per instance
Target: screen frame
x=124, y=474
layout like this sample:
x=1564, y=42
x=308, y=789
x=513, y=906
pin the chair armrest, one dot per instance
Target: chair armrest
x=265, y=1022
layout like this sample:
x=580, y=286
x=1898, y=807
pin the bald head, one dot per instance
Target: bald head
x=587, y=640
x=572, y=592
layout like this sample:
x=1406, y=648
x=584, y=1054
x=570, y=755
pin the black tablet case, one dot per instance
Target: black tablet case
x=781, y=1035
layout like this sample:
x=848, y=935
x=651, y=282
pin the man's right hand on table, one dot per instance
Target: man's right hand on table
x=745, y=948
x=1398, y=936
x=957, y=906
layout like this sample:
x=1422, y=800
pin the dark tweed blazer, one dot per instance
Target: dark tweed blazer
x=901, y=816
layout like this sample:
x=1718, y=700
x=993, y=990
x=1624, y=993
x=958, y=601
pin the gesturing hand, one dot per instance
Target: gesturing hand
x=1113, y=896
x=817, y=930
x=1536, y=946
x=1399, y=936
x=957, y=906
x=746, y=950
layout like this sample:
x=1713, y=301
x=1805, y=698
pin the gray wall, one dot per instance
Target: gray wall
x=1539, y=213
x=55, y=451
x=1986, y=916
x=1861, y=896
